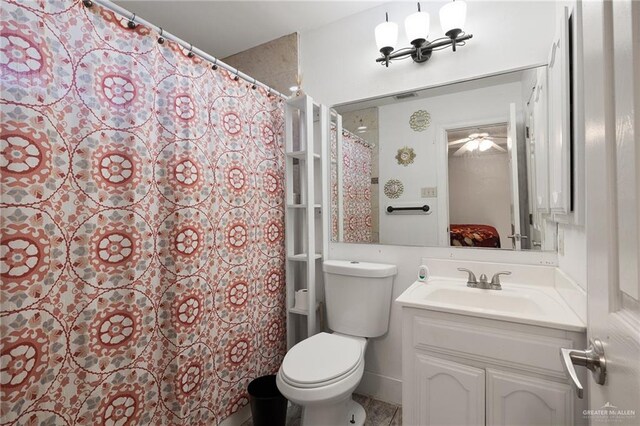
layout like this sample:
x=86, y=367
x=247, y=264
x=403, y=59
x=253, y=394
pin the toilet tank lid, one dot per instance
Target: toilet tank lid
x=359, y=269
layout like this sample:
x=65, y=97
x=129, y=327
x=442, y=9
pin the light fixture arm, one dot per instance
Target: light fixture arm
x=423, y=53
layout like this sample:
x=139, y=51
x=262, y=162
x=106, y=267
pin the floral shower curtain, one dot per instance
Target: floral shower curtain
x=356, y=188
x=142, y=225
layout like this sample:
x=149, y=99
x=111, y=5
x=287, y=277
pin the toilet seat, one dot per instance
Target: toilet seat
x=321, y=360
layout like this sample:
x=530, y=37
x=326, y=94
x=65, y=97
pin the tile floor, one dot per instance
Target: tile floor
x=379, y=413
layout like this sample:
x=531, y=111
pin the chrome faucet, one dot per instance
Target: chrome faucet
x=471, y=279
x=495, y=280
x=484, y=282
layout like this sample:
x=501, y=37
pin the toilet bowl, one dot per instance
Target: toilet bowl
x=320, y=374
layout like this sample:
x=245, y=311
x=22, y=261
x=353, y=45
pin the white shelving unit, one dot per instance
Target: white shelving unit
x=307, y=209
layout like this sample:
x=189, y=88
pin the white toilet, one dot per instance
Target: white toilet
x=321, y=372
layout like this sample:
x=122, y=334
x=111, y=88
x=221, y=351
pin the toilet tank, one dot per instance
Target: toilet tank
x=358, y=296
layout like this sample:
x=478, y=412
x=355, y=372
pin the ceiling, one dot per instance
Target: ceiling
x=223, y=28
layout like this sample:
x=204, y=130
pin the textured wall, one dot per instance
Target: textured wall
x=142, y=225
x=274, y=63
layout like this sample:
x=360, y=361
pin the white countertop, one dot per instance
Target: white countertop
x=525, y=304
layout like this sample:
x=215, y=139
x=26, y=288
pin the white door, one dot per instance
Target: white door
x=612, y=128
x=514, y=399
x=448, y=393
x=512, y=147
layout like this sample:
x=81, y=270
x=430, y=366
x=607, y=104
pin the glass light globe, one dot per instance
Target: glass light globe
x=453, y=16
x=485, y=144
x=387, y=35
x=416, y=26
x=472, y=145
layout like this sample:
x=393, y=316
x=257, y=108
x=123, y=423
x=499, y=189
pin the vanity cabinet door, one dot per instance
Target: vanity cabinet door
x=513, y=399
x=447, y=393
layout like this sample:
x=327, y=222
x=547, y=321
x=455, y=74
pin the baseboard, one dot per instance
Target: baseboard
x=383, y=388
x=237, y=418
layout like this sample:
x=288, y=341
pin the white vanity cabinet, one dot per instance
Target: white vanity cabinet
x=464, y=370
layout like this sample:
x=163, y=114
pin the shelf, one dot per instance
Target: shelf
x=301, y=155
x=302, y=257
x=302, y=311
x=302, y=206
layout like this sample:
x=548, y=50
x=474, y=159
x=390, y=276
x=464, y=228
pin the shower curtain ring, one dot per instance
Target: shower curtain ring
x=160, y=38
x=190, y=54
x=269, y=92
x=254, y=86
x=215, y=64
x=132, y=22
x=87, y=3
x=237, y=77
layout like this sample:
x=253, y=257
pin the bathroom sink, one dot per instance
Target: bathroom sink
x=528, y=304
x=484, y=299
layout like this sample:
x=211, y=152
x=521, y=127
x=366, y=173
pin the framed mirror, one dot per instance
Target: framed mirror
x=462, y=165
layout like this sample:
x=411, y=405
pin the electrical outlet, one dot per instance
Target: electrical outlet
x=429, y=192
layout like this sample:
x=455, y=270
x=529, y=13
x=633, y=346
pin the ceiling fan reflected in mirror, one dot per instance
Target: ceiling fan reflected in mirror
x=476, y=142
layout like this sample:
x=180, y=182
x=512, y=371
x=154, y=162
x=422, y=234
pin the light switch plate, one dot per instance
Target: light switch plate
x=429, y=192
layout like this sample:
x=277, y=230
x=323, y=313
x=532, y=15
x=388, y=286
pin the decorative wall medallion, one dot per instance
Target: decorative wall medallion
x=405, y=156
x=393, y=188
x=420, y=120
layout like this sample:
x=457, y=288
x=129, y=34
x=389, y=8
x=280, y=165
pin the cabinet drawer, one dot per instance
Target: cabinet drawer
x=478, y=342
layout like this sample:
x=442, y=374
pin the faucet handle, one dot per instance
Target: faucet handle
x=495, y=280
x=471, y=279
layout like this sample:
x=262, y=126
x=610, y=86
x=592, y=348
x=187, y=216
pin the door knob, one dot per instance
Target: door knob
x=592, y=358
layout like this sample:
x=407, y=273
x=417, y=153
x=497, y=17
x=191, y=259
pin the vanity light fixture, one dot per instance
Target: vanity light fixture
x=452, y=19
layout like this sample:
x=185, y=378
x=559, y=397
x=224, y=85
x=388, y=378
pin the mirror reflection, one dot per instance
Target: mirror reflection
x=447, y=166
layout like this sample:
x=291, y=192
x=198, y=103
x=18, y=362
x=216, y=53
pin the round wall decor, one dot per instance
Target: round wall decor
x=420, y=120
x=393, y=188
x=405, y=156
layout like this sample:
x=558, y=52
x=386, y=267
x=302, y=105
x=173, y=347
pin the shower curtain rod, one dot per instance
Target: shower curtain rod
x=167, y=35
x=357, y=137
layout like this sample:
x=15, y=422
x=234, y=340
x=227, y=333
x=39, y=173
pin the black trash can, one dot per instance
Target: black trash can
x=268, y=406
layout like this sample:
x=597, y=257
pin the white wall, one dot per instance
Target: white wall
x=338, y=60
x=572, y=239
x=488, y=105
x=479, y=192
x=572, y=253
x=338, y=66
